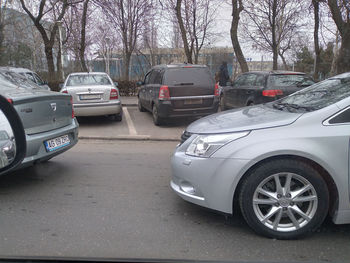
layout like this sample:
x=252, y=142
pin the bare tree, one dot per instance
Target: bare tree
x=83, y=35
x=237, y=8
x=196, y=22
x=55, y=10
x=270, y=24
x=128, y=17
x=316, y=9
x=340, y=10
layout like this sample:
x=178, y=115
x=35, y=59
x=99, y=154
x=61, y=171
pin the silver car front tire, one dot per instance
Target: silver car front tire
x=284, y=199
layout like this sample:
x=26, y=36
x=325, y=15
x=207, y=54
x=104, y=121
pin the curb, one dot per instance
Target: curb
x=129, y=104
x=130, y=138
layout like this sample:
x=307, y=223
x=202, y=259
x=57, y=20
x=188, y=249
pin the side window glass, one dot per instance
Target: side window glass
x=158, y=77
x=30, y=76
x=250, y=80
x=147, y=78
x=239, y=81
x=38, y=79
x=260, y=80
x=152, y=78
x=343, y=117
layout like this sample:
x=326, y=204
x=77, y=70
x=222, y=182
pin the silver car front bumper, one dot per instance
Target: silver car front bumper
x=208, y=182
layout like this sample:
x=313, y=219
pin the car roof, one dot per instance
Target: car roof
x=277, y=72
x=88, y=73
x=17, y=70
x=179, y=65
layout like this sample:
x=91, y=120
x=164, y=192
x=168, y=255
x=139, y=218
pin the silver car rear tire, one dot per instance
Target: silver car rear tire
x=284, y=199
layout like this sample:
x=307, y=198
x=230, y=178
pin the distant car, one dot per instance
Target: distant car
x=94, y=94
x=178, y=90
x=7, y=145
x=47, y=117
x=285, y=164
x=261, y=87
x=31, y=75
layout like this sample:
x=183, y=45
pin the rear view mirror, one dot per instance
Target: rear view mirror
x=60, y=85
x=139, y=83
x=12, y=137
x=116, y=83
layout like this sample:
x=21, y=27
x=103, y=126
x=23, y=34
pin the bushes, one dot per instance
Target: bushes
x=127, y=88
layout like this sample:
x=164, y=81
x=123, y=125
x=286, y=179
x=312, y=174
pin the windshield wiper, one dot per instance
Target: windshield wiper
x=288, y=106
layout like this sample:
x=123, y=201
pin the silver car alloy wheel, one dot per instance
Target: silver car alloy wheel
x=285, y=202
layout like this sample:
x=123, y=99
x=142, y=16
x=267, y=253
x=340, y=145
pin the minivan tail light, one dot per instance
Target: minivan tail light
x=164, y=93
x=114, y=94
x=272, y=92
x=216, y=90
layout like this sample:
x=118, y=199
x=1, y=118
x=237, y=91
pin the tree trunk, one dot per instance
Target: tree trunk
x=234, y=37
x=343, y=64
x=127, y=65
x=274, y=41
x=317, y=61
x=188, y=53
x=83, y=37
x=50, y=65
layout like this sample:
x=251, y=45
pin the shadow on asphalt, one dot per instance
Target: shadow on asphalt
x=101, y=120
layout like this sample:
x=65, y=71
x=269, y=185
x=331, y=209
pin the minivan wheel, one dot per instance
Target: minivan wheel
x=284, y=199
x=156, y=119
x=139, y=105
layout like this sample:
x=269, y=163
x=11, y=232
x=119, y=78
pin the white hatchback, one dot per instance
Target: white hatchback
x=94, y=94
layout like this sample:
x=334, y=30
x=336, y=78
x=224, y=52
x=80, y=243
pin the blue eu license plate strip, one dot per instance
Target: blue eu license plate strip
x=57, y=143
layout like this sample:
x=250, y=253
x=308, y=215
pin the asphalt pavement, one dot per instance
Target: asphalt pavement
x=134, y=126
x=111, y=198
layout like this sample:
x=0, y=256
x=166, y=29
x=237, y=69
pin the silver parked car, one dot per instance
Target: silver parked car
x=31, y=75
x=47, y=117
x=94, y=94
x=285, y=163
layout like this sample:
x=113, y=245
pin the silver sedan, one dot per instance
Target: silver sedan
x=93, y=94
x=284, y=164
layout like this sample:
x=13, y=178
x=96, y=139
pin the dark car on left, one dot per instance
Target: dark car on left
x=258, y=87
x=48, y=117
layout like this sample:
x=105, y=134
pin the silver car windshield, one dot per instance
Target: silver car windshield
x=82, y=80
x=317, y=96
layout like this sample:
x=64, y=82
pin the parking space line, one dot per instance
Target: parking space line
x=131, y=127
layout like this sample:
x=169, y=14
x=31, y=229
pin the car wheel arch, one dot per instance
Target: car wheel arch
x=331, y=185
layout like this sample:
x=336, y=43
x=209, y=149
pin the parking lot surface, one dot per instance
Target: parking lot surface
x=113, y=199
x=135, y=125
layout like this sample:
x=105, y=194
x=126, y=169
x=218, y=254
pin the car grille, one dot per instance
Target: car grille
x=185, y=135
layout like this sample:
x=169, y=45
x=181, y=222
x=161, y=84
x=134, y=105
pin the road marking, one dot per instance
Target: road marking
x=132, y=130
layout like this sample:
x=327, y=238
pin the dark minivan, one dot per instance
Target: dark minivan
x=178, y=90
x=262, y=86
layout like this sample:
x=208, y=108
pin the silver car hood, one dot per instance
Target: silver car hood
x=243, y=119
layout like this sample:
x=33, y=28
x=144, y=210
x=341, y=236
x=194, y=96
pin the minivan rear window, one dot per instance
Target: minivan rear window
x=188, y=76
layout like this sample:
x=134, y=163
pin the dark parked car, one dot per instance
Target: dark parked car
x=261, y=87
x=178, y=90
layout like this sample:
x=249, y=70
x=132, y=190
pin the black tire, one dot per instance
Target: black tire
x=281, y=225
x=118, y=117
x=222, y=106
x=139, y=105
x=156, y=119
x=250, y=103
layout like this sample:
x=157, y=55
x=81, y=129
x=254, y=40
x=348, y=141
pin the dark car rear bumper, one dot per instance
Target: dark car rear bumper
x=166, y=109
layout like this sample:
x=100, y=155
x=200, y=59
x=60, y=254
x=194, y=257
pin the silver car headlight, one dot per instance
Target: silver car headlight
x=206, y=145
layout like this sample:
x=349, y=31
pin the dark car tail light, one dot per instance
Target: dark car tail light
x=114, y=94
x=10, y=100
x=216, y=90
x=272, y=92
x=164, y=93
